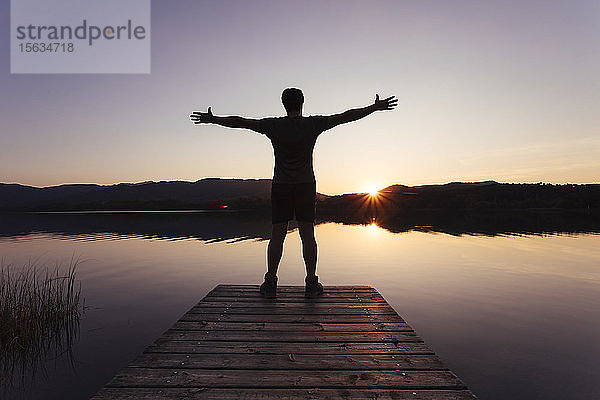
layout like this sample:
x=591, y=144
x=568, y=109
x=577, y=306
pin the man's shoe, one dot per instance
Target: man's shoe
x=269, y=288
x=313, y=288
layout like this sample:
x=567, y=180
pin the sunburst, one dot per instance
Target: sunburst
x=373, y=199
x=372, y=190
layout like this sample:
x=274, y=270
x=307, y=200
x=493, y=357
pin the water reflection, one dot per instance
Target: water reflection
x=21, y=366
x=489, y=224
x=232, y=226
x=493, y=304
x=207, y=226
x=40, y=312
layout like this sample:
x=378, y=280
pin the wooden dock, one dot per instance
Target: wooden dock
x=347, y=344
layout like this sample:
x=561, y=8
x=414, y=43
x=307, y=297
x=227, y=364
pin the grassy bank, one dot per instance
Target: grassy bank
x=40, y=309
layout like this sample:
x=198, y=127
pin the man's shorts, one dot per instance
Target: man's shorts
x=289, y=200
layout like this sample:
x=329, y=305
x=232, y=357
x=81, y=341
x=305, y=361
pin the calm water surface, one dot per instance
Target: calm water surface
x=515, y=316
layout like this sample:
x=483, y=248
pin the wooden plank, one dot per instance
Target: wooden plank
x=303, y=309
x=223, y=378
x=296, y=288
x=296, y=306
x=287, y=326
x=296, y=297
x=362, y=294
x=297, y=291
x=193, y=393
x=293, y=336
x=219, y=347
x=290, y=361
x=297, y=303
x=217, y=302
x=330, y=298
x=309, y=318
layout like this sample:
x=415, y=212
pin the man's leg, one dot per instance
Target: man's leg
x=275, y=249
x=309, y=248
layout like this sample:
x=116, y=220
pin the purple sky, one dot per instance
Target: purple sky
x=504, y=90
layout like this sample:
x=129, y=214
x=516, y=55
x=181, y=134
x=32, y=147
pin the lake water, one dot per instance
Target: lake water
x=514, y=315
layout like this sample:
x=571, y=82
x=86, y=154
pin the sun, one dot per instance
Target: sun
x=372, y=190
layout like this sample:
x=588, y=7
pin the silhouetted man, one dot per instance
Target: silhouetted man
x=293, y=191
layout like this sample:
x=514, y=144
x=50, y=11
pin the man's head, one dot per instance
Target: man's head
x=292, y=99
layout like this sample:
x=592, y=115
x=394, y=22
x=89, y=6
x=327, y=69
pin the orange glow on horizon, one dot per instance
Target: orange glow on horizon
x=372, y=190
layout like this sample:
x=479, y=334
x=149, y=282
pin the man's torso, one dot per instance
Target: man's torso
x=293, y=140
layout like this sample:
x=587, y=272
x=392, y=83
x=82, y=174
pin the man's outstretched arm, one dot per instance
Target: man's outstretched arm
x=198, y=117
x=358, y=113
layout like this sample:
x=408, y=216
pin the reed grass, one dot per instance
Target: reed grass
x=40, y=309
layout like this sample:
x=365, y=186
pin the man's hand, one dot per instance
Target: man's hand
x=385, y=104
x=357, y=113
x=198, y=117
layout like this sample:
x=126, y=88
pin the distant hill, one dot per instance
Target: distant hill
x=215, y=193
x=205, y=193
x=457, y=196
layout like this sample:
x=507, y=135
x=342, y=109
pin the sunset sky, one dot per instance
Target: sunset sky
x=503, y=89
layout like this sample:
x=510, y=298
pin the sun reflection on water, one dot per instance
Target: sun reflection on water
x=373, y=228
